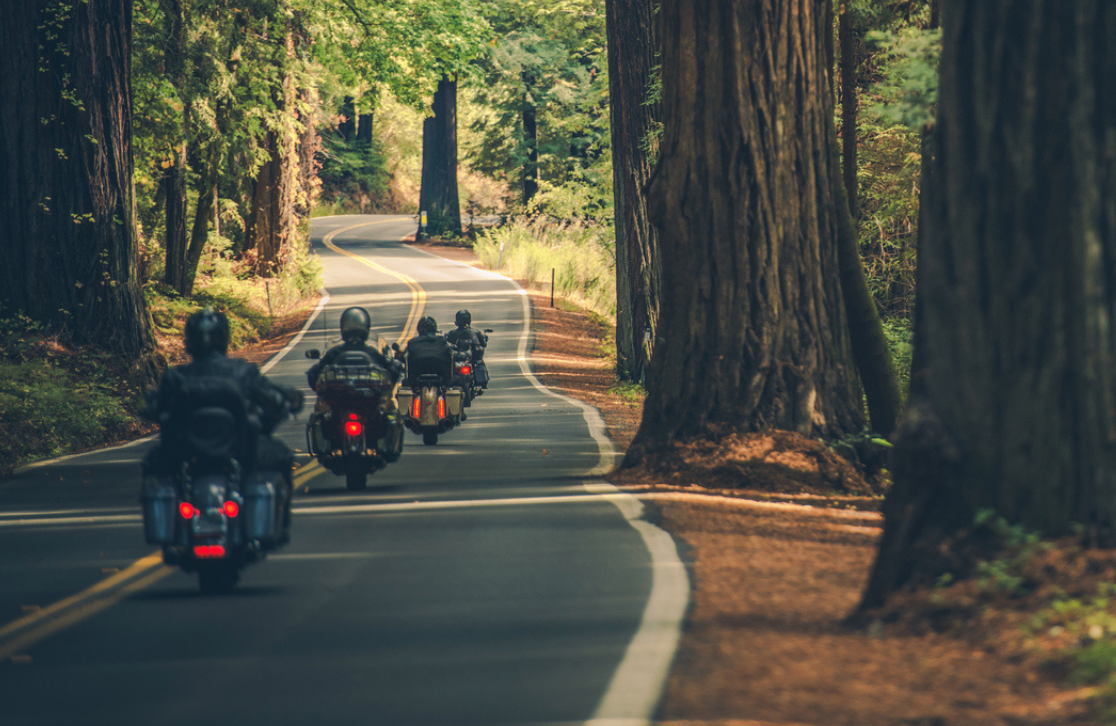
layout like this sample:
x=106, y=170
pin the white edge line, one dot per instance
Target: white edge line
x=298, y=338
x=638, y=682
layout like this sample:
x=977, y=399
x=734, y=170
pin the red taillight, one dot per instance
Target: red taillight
x=187, y=510
x=466, y=370
x=232, y=509
x=209, y=552
x=353, y=426
x=441, y=407
x=416, y=407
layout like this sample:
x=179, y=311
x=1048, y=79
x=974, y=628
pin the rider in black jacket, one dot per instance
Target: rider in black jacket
x=356, y=324
x=429, y=352
x=464, y=336
x=207, y=342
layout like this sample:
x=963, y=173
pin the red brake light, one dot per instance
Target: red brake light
x=353, y=428
x=207, y=552
x=232, y=509
x=416, y=408
x=466, y=370
x=441, y=407
x=187, y=510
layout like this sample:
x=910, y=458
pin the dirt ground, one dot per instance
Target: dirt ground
x=779, y=539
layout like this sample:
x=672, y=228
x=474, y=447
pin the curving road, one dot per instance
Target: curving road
x=490, y=579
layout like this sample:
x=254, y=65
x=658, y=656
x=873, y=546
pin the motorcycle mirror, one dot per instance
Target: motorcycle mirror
x=488, y=330
x=313, y=354
x=395, y=347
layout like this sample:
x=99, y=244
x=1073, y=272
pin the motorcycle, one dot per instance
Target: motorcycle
x=355, y=430
x=431, y=408
x=469, y=371
x=212, y=516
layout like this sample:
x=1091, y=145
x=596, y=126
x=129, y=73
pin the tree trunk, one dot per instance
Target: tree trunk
x=753, y=321
x=633, y=38
x=66, y=195
x=850, y=101
x=1014, y=405
x=438, y=193
x=177, y=175
x=347, y=127
x=265, y=218
x=364, y=129
x=531, y=147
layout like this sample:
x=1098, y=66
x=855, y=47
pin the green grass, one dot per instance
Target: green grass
x=578, y=257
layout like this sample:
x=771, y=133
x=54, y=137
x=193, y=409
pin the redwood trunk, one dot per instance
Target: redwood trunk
x=1014, y=404
x=66, y=196
x=753, y=325
x=633, y=38
x=438, y=194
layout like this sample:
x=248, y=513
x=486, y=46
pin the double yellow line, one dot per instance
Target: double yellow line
x=418, y=295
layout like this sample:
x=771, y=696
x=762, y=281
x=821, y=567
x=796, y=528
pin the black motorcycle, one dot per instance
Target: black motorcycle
x=469, y=371
x=214, y=516
x=355, y=429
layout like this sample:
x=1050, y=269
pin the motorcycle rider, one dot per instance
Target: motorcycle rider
x=356, y=324
x=428, y=352
x=207, y=341
x=465, y=336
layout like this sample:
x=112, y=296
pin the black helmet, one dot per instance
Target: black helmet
x=427, y=325
x=355, y=325
x=207, y=331
x=463, y=318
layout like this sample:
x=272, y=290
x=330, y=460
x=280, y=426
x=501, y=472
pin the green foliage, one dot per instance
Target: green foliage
x=1017, y=545
x=900, y=341
x=552, y=58
x=909, y=89
x=352, y=171
x=629, y=391
x=580, y=255
x=52, y=399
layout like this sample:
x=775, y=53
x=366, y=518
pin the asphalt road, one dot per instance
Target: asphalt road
x=490, y=579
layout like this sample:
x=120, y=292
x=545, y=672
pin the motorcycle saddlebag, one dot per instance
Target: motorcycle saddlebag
x=263, y=515
x=315, y=437
x=160, y=504
x=404, y=398
x=454, y=397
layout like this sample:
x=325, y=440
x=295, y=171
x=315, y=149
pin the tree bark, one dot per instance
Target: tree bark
x=753, y=322
x=66, y=192
x=438, y=193
x=633, y=40
x=364, y=128
x=850, y=102
x=531, y=147
x=177, y=175
x=1014, y=404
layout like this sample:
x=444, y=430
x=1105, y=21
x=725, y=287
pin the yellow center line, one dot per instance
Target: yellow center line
x=418, y=295
x=89, y=609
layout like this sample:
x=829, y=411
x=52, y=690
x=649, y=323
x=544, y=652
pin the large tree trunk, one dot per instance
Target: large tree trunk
x=68, y=238
x=176, y=176
x=848, y=34
x=531, y=146
x=438, y=193
x=753, y=322
x=633, y=38
x=1013, y=407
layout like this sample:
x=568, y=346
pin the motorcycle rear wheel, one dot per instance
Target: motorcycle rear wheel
x=356, y=480
x=216, y=578
x=429, y=437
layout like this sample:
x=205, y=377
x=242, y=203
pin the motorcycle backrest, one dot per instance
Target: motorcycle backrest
x=353, y=358
x=213, y=433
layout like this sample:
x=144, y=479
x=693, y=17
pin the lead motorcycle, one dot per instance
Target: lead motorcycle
x=355, y=429
x=213, y=515
x=469, y=371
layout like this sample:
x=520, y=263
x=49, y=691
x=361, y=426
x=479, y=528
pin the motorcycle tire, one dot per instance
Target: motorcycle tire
x=430, y=438
x=215, y=578
x=356, y=480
